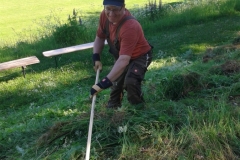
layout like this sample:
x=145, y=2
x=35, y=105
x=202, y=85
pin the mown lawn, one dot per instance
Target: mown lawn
x=18, y=17
x=192, y=94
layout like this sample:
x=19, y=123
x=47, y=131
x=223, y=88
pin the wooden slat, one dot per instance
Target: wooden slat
x=19, y=63
x=60, y=51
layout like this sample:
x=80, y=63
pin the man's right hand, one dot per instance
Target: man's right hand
x=96, y=62
x=97, y=65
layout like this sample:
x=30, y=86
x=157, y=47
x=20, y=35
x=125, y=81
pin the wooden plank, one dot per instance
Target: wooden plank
x=56, y=52
x=19, y=63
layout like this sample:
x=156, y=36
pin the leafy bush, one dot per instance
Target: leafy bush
x=227, y=7
x=237, y=6
x=71, y=33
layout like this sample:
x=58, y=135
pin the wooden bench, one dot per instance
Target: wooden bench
x=61, y=51
x=23, y=62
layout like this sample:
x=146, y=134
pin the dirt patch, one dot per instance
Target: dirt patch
x=230, y=67
x=118, y=118
x=114, y=117
x=230, y=46
x=236, y=41
x=218, y=52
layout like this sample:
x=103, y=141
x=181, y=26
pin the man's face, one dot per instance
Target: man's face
x=114, y=13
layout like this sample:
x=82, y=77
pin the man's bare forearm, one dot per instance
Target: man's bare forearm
x=118, y=67
x=98, y=45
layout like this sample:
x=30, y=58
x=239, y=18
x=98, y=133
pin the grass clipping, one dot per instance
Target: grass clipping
x=80, y=124
x=180, y=85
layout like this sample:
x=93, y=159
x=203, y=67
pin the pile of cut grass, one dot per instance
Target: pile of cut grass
x=191, y=92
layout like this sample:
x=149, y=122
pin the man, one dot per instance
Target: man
x=131, y=51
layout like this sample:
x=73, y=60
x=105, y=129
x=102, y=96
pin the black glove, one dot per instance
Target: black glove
x=95, y=57
x=103, y=84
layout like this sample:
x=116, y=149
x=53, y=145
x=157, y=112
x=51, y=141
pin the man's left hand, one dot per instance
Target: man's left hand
x=103, y=84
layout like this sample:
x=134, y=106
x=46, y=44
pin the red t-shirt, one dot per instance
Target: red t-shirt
x=131, y=36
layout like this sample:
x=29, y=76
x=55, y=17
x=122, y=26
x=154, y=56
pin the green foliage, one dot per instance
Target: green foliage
x=177, y=14
x=237, y=6
x=46, y=115
x=71, y=33
x=227, y=7
x=152, y=9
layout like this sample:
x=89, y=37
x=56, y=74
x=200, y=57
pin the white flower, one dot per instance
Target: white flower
x=20, y=150
x=122, y=129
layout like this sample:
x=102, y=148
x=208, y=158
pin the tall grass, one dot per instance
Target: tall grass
x=191, y=92
x=178, y=14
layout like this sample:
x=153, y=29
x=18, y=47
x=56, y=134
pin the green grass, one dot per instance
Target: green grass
x=19, y=17
x=192, y=92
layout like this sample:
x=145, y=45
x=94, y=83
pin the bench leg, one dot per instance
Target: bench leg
x=23, y=71
x=56, y=61
x=57, y=58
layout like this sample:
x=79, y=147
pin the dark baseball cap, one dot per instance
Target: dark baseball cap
x=113, y=2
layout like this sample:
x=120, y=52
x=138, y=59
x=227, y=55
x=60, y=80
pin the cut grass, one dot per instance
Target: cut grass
x=46, y=115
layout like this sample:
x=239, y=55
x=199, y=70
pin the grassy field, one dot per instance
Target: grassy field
x=191, y=89
x=25, y=16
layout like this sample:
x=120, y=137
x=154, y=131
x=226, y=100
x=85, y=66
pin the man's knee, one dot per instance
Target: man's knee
x=134, y=93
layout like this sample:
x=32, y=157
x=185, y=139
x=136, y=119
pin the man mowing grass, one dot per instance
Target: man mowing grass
x=131, y=51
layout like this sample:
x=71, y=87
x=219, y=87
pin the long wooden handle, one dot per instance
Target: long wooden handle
x=91, y=121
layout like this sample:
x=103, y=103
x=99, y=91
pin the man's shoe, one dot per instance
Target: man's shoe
x=113, y=105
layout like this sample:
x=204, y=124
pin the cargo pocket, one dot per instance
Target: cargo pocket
x=136, y=72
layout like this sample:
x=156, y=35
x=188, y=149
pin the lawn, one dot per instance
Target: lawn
x=25, y=15
x=191, y=89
